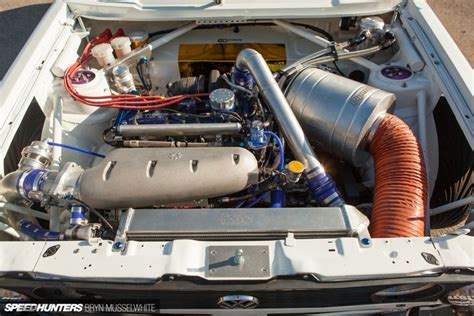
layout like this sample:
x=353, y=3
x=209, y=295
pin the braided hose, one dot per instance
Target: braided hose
x=400, y=195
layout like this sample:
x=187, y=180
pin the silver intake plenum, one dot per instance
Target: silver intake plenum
x=143, y=177
x=337, y=113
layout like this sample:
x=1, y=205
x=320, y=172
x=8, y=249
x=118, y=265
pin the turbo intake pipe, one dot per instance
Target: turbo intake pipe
x=346, y=118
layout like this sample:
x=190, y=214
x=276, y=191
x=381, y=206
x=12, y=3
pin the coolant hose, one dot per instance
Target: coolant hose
x=34, y=231
x=400, y=195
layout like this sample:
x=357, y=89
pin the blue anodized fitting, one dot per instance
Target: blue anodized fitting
x=257, y=139
x=242, y=78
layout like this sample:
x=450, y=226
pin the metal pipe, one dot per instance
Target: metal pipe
x=422, y=129
x=303, y=33
x=172, y=35
x=57, y=133
x=451, y=206
x=188, y=129
x=324, y=43
x=23, y=210
x=251, y=60
x=7, y=229
x=409, y=53
x=161, y=143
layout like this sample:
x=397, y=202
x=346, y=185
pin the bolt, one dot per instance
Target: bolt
x=239, y=258
x=94, y=250
x=76, y=250
x=213, y=252
x=212, y=271
x=118, y=245
x=366, y=241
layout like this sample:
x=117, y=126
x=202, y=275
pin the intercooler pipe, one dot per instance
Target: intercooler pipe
x=319, y=182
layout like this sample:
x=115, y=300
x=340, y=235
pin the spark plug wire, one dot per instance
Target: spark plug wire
x=121, y=101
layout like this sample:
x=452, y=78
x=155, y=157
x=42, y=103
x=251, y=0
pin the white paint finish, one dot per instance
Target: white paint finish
x=20, y=256
x=166, y=57
x=147, y=261
x=29, y=76
x=450, y=69
x=310, y=36
x=456, y=251
x=152, y=10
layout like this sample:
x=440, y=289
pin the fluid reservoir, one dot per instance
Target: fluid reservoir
x=122, y=46
x=104, y=53
x=139, y=38
x=336, y=113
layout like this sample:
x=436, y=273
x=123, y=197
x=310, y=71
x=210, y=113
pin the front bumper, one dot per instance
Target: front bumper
x=313, y=275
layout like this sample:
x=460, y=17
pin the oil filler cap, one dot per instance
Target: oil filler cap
x=222, y=99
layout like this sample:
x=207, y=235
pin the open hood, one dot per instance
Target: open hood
x=205, y=9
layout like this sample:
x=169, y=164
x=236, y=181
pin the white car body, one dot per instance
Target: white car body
x=172, y=270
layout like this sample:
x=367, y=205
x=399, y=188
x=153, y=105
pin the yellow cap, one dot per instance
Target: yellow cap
x=296, y=166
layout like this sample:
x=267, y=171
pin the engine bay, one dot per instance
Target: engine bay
x=260, y=115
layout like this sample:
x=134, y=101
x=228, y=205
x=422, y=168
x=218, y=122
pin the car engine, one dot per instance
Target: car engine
x=248, y=129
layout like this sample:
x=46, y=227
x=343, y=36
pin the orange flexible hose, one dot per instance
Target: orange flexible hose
x=400, y=195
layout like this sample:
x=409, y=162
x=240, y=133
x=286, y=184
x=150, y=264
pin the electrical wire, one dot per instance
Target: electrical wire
x=95, y=212
x=121, y=101
x=280, y=147
x=256, y=200
x=81, y=150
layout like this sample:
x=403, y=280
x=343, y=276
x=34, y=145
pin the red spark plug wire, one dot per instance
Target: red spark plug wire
x=121, y=101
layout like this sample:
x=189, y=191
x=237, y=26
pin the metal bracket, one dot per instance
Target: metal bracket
x=121, y=236
x=238, y=262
